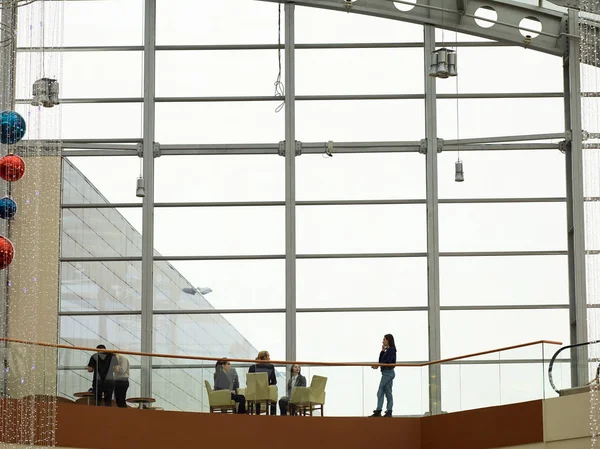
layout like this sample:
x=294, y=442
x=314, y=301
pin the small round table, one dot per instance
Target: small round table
x=141, y=402
x=85, y=394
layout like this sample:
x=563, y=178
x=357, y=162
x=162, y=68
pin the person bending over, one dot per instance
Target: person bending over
x=103, y=364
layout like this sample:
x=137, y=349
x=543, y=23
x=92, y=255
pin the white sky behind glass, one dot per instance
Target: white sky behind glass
x=329, y=283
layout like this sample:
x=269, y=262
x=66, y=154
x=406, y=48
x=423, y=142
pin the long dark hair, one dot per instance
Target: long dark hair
x=390, y=339
x=289, y=384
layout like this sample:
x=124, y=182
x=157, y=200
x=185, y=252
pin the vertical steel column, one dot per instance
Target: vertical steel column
x=8, y=58
x=433, y=247
x=148, y=203
x=290, y=186
x=575, y=208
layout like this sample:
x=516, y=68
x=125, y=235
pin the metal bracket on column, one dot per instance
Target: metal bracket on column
x=568, y=135
x=564, y=146
x=156, y=149
x=423, y=146
x=281, y=150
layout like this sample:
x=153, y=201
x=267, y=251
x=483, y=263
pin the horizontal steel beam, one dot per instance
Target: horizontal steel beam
x=229, y=47
x=444, y=14
x=318, y=203
x=268, y=151
x=112, y=147
x=99, y=153
x=502, y=253
x=272, y=98
x=100, y=146
x=118, y=140
x=316, y=310
x=501, y=139
x=504, y=147
x=318, y=256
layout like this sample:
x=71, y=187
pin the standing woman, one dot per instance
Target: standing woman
x=387, y=355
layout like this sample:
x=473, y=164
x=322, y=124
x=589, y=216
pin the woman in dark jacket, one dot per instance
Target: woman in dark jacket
x=387, y=355
x=226, y=378
x=296, y=380
x=264, y=365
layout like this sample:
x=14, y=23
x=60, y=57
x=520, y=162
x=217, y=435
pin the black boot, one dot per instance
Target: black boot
x=388, y=414
x=376, y=413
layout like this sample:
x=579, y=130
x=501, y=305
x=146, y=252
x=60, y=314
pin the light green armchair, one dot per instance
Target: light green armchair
x=219, y=400
x=258, y=391
x=308, y=399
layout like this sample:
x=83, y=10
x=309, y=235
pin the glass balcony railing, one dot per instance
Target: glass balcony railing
x=186, y=383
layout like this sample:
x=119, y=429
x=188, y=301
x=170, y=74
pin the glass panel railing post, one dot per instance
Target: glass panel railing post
x=498, y=357
x=419, y=407
x=204, y=391
x=460, y=387
x=362, y=390
x=423, y=374
x=543, y=349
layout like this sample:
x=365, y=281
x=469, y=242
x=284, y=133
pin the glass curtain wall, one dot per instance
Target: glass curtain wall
x=219, y=233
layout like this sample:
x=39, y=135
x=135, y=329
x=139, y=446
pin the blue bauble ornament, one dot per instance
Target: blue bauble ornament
x=12, y=127
x=8, y=207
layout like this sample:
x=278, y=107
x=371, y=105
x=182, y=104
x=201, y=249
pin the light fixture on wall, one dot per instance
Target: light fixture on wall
x=140, y=190
x=452, y=63
x=459, y=174
x=443, y=63
x=45, y=93
x=193, y=291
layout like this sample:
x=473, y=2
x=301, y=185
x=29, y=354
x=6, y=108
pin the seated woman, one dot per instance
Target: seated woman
x=296, y=380
x=263, y=366
x=226, y=378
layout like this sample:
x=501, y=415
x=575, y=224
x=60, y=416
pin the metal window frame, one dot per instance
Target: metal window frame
x=282, y=310
x=562, y=40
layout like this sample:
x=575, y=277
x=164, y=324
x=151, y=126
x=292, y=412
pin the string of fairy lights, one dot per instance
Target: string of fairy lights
x=590, y=82
x=29, y=189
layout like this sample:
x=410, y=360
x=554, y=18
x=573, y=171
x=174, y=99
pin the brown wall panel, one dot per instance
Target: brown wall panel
x=486, y=428
x=87, y=427
x=81, y=426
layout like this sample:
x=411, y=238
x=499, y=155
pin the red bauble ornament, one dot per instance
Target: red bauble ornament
x=12, y=167
x=7, y=252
